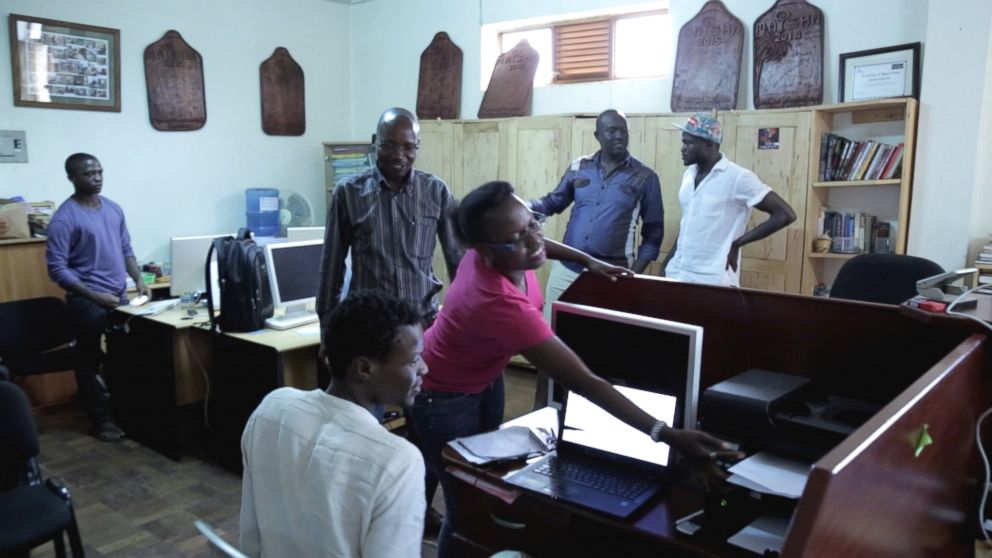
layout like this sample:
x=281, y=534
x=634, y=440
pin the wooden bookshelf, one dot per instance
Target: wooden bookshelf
x=886, y=120
x=362, y=152
x=858, y=183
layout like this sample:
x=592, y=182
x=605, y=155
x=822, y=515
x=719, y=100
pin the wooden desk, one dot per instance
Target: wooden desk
x=247, y=366
x=158, y=371
x=869, y=496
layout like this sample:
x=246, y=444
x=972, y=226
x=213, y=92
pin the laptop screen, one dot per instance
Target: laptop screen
x=588, y=425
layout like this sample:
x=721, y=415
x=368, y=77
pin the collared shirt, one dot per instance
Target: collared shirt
x=322, y=477
x=604, y=217
x=391, y=236
x=714, y=214
x=89, y=245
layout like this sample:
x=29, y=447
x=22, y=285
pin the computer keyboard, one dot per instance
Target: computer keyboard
x=593, y=477
x=287, y=321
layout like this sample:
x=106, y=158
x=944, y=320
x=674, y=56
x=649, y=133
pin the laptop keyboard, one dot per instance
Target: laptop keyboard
x=593, y=477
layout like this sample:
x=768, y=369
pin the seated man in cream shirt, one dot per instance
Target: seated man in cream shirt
x=322, y=477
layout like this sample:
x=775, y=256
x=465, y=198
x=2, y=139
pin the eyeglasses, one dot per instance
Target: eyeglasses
x=390, y=147
x=535, y=229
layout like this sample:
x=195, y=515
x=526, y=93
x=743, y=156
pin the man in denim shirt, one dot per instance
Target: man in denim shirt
x=610, y=191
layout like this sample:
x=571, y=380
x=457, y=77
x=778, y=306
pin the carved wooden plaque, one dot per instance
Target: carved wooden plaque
x=788, y=55
x=511, y=84
x=708, y=61
x=283, y=107
x=174, y=79
x=439, y=91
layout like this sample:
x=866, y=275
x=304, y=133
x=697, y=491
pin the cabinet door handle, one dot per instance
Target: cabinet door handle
x=507, y=524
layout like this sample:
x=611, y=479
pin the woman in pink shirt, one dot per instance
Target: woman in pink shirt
x=493, y=311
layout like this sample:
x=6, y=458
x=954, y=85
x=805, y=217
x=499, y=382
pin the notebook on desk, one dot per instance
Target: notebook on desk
x=601, y=462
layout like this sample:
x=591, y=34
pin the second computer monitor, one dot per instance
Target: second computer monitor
x=294, y=273
x=634, y=350
x=296, y=234
x=189, y=257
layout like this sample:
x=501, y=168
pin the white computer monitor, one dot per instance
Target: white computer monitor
x=296, y=234
x=636, y=351
x=294, y=273
x=189, y=257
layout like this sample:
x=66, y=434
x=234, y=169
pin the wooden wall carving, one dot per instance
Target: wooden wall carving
x=512, y=83
x=788, y=55
x=439, y=90
x=283, y=101
x=174, y=79
x=708, y=61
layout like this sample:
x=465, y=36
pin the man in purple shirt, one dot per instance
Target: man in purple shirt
x=89, y=252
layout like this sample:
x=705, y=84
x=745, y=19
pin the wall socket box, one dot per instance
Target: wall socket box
x=13, y=146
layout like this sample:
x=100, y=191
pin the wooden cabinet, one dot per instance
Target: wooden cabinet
x=773, y=263
x=533, y=152
x=24, y=274
x=891, y=121
x=530, y=153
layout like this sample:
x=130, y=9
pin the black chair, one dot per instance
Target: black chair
x=885, y=278
x=36, y=337
x=32, y=512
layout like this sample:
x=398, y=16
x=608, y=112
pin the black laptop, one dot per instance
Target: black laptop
x=601, y=462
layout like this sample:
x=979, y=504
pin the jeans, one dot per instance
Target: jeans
x=440, y=417
x=90, y=320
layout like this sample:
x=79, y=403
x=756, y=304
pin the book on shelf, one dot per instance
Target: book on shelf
x=848, y=160
x=894, y=164
x=852, y=232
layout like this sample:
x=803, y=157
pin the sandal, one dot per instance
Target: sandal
x=108, y=432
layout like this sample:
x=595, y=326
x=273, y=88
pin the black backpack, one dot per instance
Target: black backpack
x=243, y=277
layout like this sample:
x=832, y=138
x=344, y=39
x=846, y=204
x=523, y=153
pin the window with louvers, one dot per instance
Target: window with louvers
x=582, y=51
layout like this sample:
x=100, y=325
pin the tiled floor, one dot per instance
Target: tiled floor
x=131, y=501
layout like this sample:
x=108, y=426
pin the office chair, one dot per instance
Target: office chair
x=37, y=337
x=884, y=278
x=31, y=512
x=220, y=546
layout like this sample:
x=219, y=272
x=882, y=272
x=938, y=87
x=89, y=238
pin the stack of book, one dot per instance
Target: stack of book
x=852, y=232
x=844, y=159
x=349, y=160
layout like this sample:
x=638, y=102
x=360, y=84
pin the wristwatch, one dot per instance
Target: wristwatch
x=656, y=430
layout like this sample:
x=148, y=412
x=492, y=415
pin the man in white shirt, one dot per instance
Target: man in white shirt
x=322, y=477
x=716, y=198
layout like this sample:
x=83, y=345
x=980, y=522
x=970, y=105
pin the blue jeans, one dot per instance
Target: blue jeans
x=440, y=417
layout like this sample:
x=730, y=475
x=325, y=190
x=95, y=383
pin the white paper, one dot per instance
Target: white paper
x=509, y=443
x=157, y=307
x=764, y=533
x=308, y=329
x=771, y=474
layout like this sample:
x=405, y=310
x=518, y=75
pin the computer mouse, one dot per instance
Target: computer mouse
x=138, y=300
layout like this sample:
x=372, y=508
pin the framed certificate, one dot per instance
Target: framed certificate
x=880, y=73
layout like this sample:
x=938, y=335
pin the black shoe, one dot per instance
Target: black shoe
x=432, y=524
x=108, y=432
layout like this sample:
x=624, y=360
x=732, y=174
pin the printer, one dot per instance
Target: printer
x=782, y=413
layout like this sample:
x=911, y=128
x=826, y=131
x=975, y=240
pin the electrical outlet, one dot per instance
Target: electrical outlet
x=13, y=146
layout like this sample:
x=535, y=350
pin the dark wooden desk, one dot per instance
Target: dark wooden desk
x=869, y=496
x=158, y=372
x=502, y=516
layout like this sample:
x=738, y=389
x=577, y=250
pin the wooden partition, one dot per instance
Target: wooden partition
x=871, y=495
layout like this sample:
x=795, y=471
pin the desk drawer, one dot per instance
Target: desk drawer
x=530, y=523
